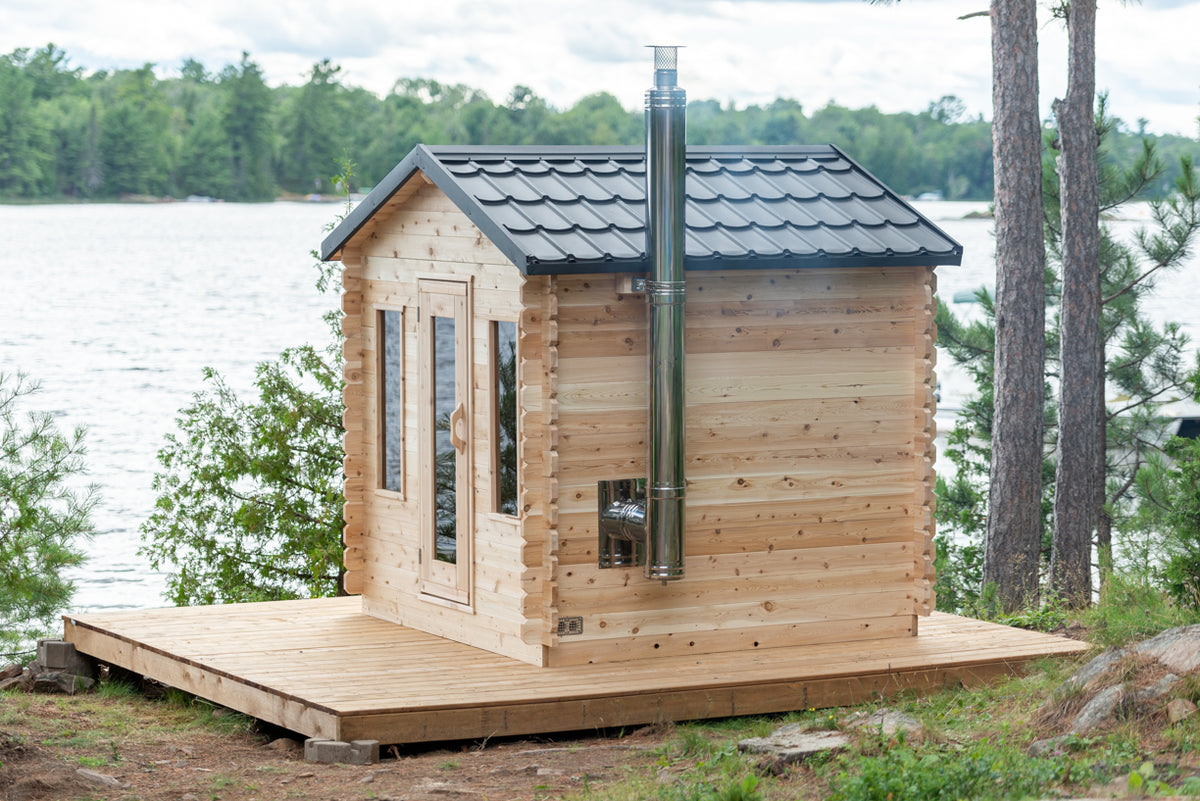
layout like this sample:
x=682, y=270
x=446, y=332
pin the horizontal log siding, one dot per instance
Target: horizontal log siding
x=808, y=461
x=428, y=237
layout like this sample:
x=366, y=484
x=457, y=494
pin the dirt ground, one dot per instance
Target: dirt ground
x=54, y=747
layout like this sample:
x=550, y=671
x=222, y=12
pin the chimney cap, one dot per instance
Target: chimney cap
x=665, y=56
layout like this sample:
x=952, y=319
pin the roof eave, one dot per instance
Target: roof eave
x=718, y=262
x=425, y=160
x=360, y=215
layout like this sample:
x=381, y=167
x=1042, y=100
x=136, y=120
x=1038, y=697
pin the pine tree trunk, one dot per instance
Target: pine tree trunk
x=1079, y=474
x=1014, y=529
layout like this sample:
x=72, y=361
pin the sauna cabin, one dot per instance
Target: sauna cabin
x=651, y=427
x=496, y=328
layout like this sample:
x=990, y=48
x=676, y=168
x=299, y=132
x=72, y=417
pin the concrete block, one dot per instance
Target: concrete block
x=310, y=748
x=364, y=752
x=332, y=751
x=53, y=654
x=61, y=657
x=359, y=752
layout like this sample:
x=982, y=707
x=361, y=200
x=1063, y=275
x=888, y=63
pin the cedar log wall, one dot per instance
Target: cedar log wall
x=425, y=235
x=809, y=461
x=809, y=451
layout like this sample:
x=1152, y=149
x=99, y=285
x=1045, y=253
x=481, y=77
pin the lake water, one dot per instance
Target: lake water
x=116, y=309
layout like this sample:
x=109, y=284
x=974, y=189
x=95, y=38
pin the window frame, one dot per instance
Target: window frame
x=381, y=404
x=445, y=581
x=494, y=421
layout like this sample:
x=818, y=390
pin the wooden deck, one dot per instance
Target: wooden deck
x=323, y=668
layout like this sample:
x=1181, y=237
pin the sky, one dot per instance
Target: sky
x=898, y=57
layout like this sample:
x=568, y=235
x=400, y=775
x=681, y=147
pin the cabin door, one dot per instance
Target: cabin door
x=445, y=427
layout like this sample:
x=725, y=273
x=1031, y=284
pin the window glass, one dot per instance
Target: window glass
x=504, y=393
x=391, y=401
x=444, y=405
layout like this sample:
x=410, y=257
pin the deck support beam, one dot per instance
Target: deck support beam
x=322, y=668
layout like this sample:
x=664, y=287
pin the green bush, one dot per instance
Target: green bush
x=1133, y=607
x=1181, y=516
x=982, y=771
x=250, y=499
x=44, y=516
x=249, y=496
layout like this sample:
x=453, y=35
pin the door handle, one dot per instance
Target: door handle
x=457, y=426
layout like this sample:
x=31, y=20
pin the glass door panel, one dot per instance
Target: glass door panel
x=446, y=514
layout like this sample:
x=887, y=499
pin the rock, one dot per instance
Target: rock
x=792, y=743
x=1097, y=711
x=1180, y=709
x=23, y=682
x=11, y=671
x=1158, y=689
x=1088, y=677
x=1116, y=680
x=100, y=779
x=885, y=721
x=285, y=744
x=55, y=682
x=437, y=787
x=1177, y=649
x=1047, y=747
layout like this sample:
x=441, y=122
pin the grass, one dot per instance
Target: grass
x=974, y=742
x=1132, y=607
x=205, y=713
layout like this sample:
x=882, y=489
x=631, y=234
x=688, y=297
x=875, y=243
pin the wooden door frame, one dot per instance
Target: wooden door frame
x=446, y=581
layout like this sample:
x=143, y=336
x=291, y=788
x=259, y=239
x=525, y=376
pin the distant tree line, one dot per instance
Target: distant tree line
x=68, y=133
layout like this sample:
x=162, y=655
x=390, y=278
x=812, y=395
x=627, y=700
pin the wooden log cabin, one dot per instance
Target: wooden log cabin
x=496, y=325
x=654, y=428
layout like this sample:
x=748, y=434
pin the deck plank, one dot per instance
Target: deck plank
x=322, y=667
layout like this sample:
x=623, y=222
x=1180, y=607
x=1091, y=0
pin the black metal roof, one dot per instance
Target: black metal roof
x=554, y=210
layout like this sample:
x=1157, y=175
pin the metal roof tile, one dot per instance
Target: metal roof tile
x=564, y=209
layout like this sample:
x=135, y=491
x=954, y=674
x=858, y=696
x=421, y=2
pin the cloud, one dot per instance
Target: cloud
x=605, y=41
x=897, y=57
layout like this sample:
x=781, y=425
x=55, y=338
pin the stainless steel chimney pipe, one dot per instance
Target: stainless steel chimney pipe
x=666, y=114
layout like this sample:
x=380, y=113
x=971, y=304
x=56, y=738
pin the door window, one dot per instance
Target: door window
x=445, y=393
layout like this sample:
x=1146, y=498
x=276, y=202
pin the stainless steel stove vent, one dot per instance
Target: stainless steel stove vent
x=643, y=521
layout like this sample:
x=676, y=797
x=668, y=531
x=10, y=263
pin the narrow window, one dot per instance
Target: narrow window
x=504, y=397
x=391, y=400
x=445, y=404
